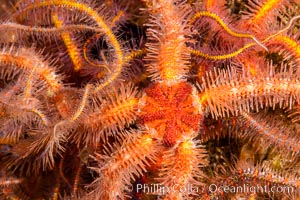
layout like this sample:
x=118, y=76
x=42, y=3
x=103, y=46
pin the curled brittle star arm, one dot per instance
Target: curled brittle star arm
x=93, y=14
x=41, y=115
x=83, y=103
x=135, y=54
x=65, y=123
x=85, y=56
x=240, y=50
x=95, y=37
x=28, y=95
x=226, y=28
x=222, y=56
x=284, y=29
x=52, y=30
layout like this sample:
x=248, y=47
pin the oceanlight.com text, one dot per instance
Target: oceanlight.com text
x=160, y=189
x=247, y=188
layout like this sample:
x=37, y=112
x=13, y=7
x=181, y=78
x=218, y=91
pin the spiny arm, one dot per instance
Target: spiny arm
x=226, y=93
x=121, y=163
x=167, y=45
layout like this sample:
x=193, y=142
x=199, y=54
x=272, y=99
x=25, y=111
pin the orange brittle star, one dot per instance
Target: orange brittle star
x=98, y=134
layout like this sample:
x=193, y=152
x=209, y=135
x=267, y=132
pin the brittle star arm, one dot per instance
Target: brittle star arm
x=227, y=93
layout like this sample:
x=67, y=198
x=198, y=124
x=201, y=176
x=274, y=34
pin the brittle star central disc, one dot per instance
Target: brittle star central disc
x=170, y=111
